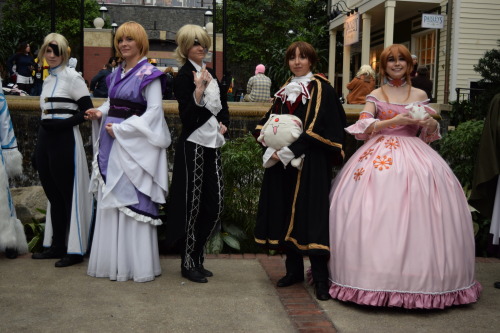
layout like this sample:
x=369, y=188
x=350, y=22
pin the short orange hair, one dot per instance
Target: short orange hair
x=395, y=50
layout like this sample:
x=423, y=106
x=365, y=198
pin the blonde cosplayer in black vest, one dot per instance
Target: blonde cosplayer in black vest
x=196, y=194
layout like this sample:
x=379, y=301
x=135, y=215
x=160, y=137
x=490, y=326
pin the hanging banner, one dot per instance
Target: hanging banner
x=351, y=29
x=432, y=21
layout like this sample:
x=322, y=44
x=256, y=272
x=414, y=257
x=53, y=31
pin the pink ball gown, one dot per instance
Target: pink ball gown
x=401, y=232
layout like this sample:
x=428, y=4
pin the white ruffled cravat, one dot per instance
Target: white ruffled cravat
x=212, y=96
x=296, y=87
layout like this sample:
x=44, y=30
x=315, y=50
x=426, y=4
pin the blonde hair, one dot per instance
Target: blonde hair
x=366, y=70
x=135, y=31
x=62, y=45
x=185, y=39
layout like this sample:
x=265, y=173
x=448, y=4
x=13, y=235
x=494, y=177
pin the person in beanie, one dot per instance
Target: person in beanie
x=259, y=86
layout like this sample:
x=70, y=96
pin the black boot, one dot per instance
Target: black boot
x=11, y=253
x=321, y=290
x=204, y=271
x=290, y=279
x=50, y=253
x=69, y=260
x=194, y=275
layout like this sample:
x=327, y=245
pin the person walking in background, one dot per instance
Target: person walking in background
x=196, y=198
x=258, y=86
x=72, y=62
x=361, y=85
x=422, y=81
x=113, y=63
x=40, y=72
x=414, y=66
x=21, y=65
x=98, y=84
x=130, y=168
x=293, y=204
x=60, y=158
x=12, y=237
x=400, y=226
x=169, y=84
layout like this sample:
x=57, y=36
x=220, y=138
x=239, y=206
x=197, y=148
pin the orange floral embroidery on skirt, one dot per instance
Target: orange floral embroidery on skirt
x=382, y=138
x=358, y=174
x=365, y=155
x=382, y=162
x=392, y=143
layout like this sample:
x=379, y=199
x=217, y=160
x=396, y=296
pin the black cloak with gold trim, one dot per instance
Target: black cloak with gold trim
x=294, y=204
x=487, y=166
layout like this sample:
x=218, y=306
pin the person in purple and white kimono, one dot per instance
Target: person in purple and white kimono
x=129, y=171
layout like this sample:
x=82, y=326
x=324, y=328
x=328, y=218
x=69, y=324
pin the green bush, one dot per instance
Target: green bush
x=459, y=149
x=463, y=111
x=243, y=173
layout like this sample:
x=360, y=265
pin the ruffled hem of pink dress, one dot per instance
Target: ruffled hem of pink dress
x=406, y=299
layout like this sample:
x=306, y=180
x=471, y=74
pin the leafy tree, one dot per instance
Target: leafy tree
x=27, y=20
x=258, y=32
x=489, y=68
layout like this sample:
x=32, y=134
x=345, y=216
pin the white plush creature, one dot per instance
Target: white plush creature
x=417, y=111
x=280, y=131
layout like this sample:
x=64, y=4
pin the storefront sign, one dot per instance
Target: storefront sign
x=432, y=21
x=351, y=29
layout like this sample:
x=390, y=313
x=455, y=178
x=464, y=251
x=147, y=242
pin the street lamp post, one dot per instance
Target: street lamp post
x=82, y=39
x=52, y=16
x=114, y=26
x=210, y=18
x=103, y=9
x=225, y=75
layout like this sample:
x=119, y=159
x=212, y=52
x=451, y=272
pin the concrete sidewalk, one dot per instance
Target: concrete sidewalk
x=241, y=297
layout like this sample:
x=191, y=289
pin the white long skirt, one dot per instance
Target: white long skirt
x=123, y=248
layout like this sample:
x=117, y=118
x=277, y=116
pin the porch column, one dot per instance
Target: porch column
x=345, y=69
x=390, y=7
x=331, y=56
x=365, y=43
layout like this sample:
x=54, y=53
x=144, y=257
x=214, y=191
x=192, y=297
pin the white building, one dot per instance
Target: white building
x=460, y=32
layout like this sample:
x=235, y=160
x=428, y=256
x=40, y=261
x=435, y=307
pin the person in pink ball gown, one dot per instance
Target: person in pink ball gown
x=401, y=233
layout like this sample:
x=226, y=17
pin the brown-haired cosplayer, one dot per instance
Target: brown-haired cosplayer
x=400, y=226
x=293, y=205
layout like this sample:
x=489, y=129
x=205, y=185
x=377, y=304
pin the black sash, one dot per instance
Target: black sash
x=124, y=109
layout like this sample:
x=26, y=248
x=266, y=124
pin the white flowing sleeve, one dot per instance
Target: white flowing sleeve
x=141, y=143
